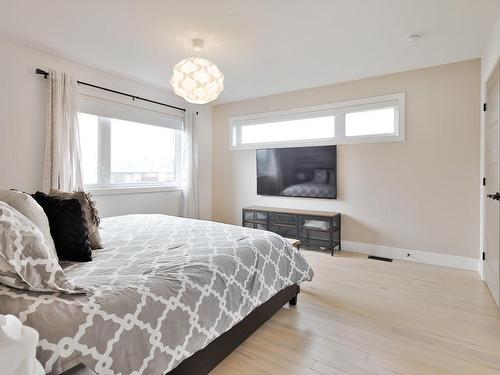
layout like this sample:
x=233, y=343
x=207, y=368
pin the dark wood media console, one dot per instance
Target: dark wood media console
x=312, y=228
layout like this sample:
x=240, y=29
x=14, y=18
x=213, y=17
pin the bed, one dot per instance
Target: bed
x=166, y=295
x=310, y=189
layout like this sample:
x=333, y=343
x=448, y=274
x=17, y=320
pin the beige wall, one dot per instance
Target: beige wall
x=422, y=194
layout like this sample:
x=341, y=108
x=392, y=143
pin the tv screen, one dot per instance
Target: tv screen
x=309, y=172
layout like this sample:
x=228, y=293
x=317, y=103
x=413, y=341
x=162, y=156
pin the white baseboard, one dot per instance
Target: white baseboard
x=418, y=256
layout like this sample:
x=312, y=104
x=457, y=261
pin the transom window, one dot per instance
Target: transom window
x=117, y=152
x=290, y=130
x=371, y=122
x=379, y=119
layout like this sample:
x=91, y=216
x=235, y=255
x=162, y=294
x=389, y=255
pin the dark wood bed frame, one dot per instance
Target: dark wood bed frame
x=203, y=361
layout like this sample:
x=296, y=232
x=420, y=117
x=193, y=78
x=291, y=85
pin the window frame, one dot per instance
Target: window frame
x=337, y=109
x=104, y=185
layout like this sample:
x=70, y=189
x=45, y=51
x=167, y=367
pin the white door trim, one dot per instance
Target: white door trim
x=482, y=168
x=488, y=274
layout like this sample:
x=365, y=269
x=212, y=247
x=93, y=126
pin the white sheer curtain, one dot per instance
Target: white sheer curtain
x=189, y=174
x=62, y=163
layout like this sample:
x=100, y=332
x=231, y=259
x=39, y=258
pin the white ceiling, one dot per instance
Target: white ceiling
x=263, y=47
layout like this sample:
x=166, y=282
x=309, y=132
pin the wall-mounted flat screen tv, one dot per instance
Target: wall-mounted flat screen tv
x=309, y=172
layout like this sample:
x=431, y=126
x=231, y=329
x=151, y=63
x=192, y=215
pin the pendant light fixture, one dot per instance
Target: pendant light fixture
x=197, y=80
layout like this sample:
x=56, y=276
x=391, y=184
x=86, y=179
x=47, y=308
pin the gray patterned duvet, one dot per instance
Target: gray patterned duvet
x=162, y=288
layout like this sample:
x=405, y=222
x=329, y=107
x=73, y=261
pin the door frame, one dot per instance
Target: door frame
x=482, y=207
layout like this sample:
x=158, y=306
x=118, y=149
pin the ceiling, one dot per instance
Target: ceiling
x=263, y=47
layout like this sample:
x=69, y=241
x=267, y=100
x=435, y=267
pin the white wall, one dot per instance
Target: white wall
x=421, y=194
x=22, y=128
x=491, y=52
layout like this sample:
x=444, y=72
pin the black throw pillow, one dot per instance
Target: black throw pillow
x=67, y=226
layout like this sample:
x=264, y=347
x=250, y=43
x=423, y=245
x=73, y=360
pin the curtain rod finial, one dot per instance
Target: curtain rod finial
x=42, y=72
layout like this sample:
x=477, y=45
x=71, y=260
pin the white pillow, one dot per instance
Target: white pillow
x=25, y=259
x=26, y=205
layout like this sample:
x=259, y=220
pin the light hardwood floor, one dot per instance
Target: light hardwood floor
x=361, y=316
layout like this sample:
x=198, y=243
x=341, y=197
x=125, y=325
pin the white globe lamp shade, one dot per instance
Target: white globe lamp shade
x=197, y=80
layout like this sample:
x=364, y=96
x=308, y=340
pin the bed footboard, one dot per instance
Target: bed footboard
x=203, y=361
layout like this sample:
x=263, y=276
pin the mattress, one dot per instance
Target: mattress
x=161, y=289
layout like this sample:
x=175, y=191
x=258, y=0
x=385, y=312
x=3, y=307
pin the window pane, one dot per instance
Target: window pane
x=142, y=154
x=88, y=130
x=293, y=130
x=378, y=121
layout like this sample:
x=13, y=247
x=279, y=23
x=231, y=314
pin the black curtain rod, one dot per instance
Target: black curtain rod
x=134, y=97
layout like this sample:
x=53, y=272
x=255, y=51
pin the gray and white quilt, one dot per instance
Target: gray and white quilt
x=161, y=289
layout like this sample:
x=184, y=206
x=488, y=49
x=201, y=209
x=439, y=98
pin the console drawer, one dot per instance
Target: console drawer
x=282, y=219
x=315, y=223
x=255, y=216
x=284, y=230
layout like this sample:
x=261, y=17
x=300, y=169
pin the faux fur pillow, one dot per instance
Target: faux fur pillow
x=67, y=226
x=91, y=214
x=25, y=259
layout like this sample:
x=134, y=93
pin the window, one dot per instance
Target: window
x=370, y=122
x=291, y=130
x=379, y=119
x=117, y=152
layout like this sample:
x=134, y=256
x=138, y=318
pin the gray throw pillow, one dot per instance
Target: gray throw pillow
x=25, y=259
x=28, y=207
